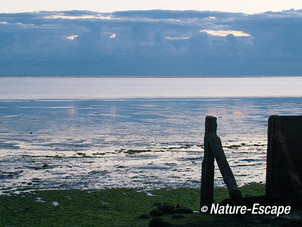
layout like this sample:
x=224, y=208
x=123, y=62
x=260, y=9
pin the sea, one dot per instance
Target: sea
x=134, y=132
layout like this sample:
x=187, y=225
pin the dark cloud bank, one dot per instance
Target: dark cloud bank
x=163, y=43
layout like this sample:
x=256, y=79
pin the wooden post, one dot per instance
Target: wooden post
x=207, y=170
x=271, y=162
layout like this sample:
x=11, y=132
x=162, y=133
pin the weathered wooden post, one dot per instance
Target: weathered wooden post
x=207, y=171
x=213, y=149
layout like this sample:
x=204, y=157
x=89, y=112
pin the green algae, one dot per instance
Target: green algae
x=106, y=207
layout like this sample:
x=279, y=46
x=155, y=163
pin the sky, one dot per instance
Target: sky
x=246, y=6
x=150, y=43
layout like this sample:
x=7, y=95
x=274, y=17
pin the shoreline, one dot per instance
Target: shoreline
x=173, y=166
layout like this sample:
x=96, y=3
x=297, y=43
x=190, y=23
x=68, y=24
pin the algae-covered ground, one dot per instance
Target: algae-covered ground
x=106, y=207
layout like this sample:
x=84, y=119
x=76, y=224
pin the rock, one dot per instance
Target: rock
x=293, y=223
x=156, y=213
x=177, y=216
x=182, y=211
x=158, y=222
x=166, y=208
x=143, y=216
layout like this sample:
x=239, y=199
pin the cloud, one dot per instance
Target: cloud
x=154, y=42
x=225, y=32
x=72, y=37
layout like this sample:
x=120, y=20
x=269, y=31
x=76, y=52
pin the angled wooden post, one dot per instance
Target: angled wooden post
x=225, y=169
x=207, y=170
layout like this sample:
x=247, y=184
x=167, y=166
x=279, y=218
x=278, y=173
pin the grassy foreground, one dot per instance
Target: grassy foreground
x=108, y=207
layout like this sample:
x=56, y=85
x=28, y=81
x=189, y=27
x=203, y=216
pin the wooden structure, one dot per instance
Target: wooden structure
x=213, y=149
x=284, y=156
x=284, y=164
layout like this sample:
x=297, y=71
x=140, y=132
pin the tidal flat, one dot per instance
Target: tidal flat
x=149, y=143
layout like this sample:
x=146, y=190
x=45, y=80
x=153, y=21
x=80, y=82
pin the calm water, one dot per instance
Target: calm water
x=133, y=132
